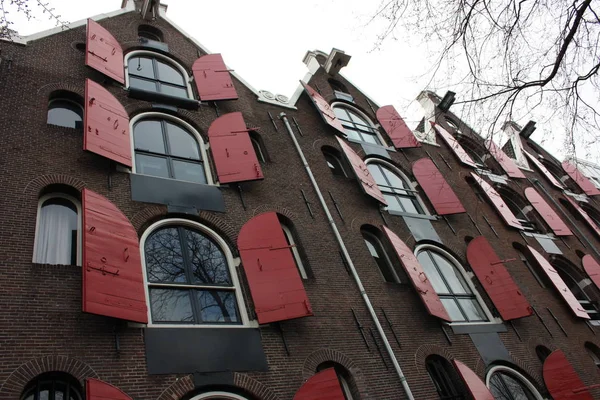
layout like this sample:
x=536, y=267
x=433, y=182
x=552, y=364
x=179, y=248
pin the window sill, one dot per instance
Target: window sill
x=461, y=328
x=249, y=325
x=371, y=144
x=420, y=216
x=190, y=104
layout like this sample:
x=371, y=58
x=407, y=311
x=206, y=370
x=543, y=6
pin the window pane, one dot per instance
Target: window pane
x=57, y=233
x=370, y=139
x=171, y=305
x=341, y=113
x=451, y=274
x=149, y=165
x=209, y=265
x=453, y=310
x=472, y=309
x=217, y=306
x=147, y=135
x=394, y=180
x=393, y=203
x=176, y=91
x=356, y=118
x=408, y=204
x=517, y=388
x=164, y=259
x=352, y=134
x=499, y=391
x=377, y=174
x=142, y=84
x=167, y=73
x=431, y=272
x=140, y=66
x=65, y=113
x=191, y=172
x=182, y=143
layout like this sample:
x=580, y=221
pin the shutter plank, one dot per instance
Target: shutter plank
x=459, y=152
x=366, y=180
x=275, y=283
x=498, y=202
x=324, y=109
x=323, y=385
x=544, y=171
x=436, y=188
x=213, y=79
x=559, y=284
x=496, y=280
x=393, y=124
x=547, y=212
x=507, y=163
x=584, y=183
x=95, y=389
x=585, y=216
x=473, y=382
x=232, y=150
x=113, y=282
x=417, y=276
x=592, y=268
x=561, y=379
x=103, y=52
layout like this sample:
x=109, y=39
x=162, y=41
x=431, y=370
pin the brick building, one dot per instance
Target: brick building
x=169, y=232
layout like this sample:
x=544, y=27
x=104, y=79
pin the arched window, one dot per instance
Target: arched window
x=340, y=91
x=190, y=275
x=153, y=72
x=594, y=353
x=356, y=125
x=542, y=352
x=447, y=278
x=65, y=109
x=579, y=285
x=507, y=384
x=58, y=231
x=521, y=209
x=53, y=386
x=444, y=377
x=398, y=193
x=168, y=148
x=344, y=377
x=219, y=395
x=520, y=249
x=258, y=145
x=334, y=161
x=289, y=237
x=379, y=254
x=150, y=33
x=591, y=212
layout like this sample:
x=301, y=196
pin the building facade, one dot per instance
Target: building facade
x=170, y=232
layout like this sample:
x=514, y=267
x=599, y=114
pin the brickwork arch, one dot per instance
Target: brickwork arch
x=75, y=87
x=278, y=209
x=253, y=387
x=35, y=186
x=19, y=378
x=178, y=389
x=427, y=350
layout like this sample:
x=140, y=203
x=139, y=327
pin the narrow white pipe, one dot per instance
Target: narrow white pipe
x=340, y=241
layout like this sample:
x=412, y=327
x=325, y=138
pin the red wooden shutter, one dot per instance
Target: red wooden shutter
x=274, y=280
x=366, y=180
x=212, y=78
x=585, y=216
x=562, y=380
x=232, y=150
x=103, y=52
x=473, y=382
x=460, y=153
x=436, y=188
x=324, y=109
x=548, y=214
x=106, y=125
x=544, y=170
x=113, y=284
x=393, y=124
x=323, y=385
x=584, y=183
x=497, y=282
x=415, y=272
x=507, y=163
x=97, y=390
x=560, y=285
x=498, y=202
x=592, y=268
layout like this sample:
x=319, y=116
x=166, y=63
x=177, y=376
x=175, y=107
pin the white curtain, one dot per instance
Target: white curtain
x=55, y=233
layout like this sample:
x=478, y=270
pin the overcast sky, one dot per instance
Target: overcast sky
x=264, y=41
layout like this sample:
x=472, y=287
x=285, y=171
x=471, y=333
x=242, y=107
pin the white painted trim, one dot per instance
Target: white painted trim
x=364, y=116
x=77, y=205
x=219, y=396
x=514, y=374
x=294, y=247
x=230, y=263
x=178, y=121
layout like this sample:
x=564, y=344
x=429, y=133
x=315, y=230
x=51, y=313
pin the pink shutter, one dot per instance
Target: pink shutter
x=544, y=171
x=507, y=163
x=592, y=268
x=497, y=282
x=548, y=214
x=460, y=153
x=436, y=188
x=415, y=272
x=213, y=79
x=562, y=380
x=113, y=282
x=275, y=283
x=103, y=52
x=324, y=109
x=323, y=385
x=97, y=390
x=366, y=180
x=473, y=382
x=559, y=284
x=584, y=183
x=106, y=125
x=232, y=150
x=393, y=124
x=498, y=202
x=585, y=216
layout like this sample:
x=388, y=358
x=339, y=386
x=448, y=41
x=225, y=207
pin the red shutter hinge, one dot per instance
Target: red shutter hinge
x=503, y=261
x=102, y=269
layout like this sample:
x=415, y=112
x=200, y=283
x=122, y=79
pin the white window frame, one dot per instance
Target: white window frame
x=516, y=375
x=199, y=139
x=170, y=61
x=294, y=247
x=232, y=263
x=364, y=116
x=218, y=395
x=79, y=223
x=257, y=146
x=384, y=255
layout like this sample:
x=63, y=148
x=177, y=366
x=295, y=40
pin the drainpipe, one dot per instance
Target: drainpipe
x=340, y=241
